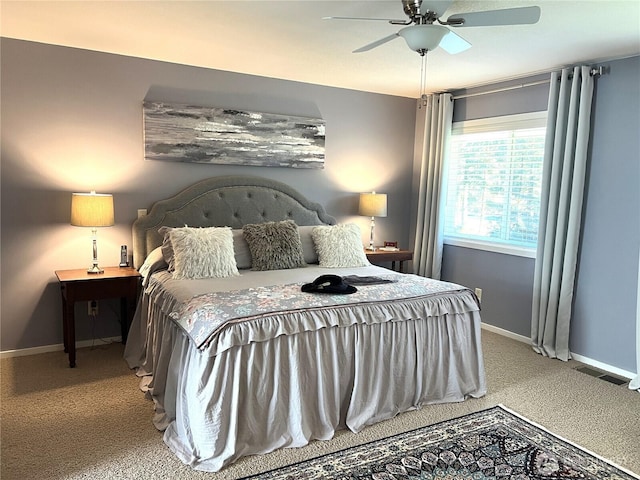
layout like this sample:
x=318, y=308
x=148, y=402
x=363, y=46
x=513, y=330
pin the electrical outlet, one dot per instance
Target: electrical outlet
x=92, y=308
x=478, y=292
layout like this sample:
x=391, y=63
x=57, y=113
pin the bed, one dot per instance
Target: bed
x=244, y=362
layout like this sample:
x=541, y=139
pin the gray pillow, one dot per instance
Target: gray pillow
x=308, y=247
x=167, y=248
x=155, y=261
x=241, y=250
x=274, y=245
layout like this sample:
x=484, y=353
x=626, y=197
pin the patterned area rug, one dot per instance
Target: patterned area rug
x=490, y=444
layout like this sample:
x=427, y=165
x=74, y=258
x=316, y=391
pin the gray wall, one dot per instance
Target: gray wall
x=603, y=325
x=72, y=121
x=506, y=280
x=604, y=320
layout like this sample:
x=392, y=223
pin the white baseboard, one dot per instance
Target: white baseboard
x=506, y=333
x=579, y=358
x=500, y=331
x=56, y=348
x=618, y=372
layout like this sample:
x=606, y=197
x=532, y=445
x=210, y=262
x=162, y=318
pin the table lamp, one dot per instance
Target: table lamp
x=373, y=205
x=92, y=210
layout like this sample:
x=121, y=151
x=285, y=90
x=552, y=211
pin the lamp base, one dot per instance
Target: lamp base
x=95, y=269
x=371, y=248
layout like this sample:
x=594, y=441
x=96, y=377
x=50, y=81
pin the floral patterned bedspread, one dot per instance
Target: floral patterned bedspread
x=204, y=316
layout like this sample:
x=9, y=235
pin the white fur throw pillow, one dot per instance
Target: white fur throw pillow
x=203, y=252
x=339, y=246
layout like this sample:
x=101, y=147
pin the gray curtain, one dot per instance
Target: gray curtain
x=565, y=161
x=635, y=382
x=438, y=115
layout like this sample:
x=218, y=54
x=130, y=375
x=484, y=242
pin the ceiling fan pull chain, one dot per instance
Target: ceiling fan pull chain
x=423, y=82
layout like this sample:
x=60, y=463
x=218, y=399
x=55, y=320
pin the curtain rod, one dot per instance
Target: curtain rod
x=497, y=90
x=594, y=72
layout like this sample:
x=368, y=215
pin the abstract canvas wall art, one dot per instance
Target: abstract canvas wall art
x=187, y=133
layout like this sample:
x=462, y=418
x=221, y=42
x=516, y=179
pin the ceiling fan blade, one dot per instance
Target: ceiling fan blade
x=377, y=43
x=506, y=16
x=390, y=20
x=453, y=43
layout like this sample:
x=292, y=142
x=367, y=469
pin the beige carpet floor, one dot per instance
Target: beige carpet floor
x=93, y=422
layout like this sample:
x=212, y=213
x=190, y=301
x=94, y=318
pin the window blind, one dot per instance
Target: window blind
x=494, y=175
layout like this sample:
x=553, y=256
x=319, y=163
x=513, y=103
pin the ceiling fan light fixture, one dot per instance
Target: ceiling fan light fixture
x=423, y=38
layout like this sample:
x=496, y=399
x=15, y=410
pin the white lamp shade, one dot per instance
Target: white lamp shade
x=373, y=204
x=423, y=37
x=92, y=209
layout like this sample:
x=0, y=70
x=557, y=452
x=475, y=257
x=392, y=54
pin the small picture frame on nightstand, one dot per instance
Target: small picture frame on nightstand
x=389, y=247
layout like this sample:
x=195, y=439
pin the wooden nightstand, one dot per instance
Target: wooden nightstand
x=78, y=285
x=378, y=256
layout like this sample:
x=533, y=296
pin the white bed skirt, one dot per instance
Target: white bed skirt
x=259, y=397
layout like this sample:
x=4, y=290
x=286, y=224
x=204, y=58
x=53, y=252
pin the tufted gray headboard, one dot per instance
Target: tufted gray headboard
x=230, y=201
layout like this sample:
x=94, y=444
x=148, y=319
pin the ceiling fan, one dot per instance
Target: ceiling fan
x=426, y=30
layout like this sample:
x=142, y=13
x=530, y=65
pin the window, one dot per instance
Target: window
x=494, y=178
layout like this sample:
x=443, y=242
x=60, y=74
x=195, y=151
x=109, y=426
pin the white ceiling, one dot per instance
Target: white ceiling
x=290, y=40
